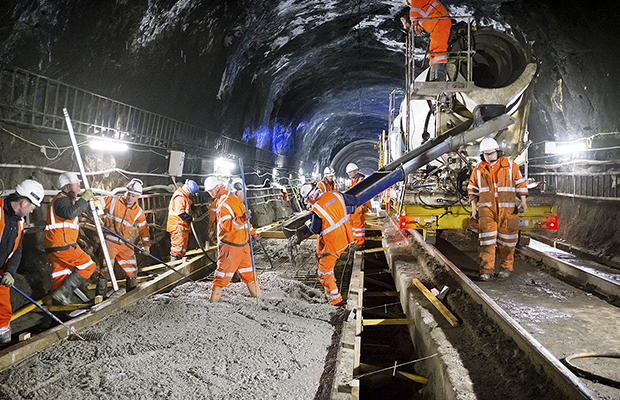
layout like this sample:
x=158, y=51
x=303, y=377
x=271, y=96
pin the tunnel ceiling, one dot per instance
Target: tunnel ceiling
x=306, y=78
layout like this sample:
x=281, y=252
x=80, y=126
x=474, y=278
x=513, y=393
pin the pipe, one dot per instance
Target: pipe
x=245, y=203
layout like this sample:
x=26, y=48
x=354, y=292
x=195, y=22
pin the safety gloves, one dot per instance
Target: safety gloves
x=7, y=280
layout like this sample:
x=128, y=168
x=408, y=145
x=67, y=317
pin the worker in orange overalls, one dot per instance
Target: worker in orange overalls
x=216, y=190
x=180, y=219
x=439, y=29
x=493, y=186
x=358, y=217
x=233, y=242
x=330, y=221
x=71, y=266
x=121, y=215
x=328, y=184
x=13, y=208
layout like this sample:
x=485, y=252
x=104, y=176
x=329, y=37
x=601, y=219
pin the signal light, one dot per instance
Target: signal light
x=552, y=223
x=403, y=223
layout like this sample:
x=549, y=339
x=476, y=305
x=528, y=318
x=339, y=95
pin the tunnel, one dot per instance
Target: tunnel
x=277, y=91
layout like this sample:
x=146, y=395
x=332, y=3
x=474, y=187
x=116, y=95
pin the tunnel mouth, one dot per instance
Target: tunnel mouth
x=498, y=61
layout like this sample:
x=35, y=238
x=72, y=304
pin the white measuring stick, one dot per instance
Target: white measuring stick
x=93, y=208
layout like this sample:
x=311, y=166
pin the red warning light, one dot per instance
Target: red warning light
x=403, y=223
x=552, y=223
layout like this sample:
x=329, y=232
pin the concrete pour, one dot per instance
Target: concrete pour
x=180, y=346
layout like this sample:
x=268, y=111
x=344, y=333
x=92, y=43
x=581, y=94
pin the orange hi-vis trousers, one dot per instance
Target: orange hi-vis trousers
x=326, y=276
x=5, y=310
x=358, y=223
x=65, y=261
x=504, y=233
x=233, y=259
x=126, y=258
x=178, y=241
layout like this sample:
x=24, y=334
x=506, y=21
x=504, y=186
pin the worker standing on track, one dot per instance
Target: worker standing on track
x=180, y=219
x=13, y=209
x=233, y=242
x=121, y=215
x=216, y=190
x=493, y=185
x=328, y=184
x=71, y=266
x=330, y=221
x=358, y=220
x=437, y=23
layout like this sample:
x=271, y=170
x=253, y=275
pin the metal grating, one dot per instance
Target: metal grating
x=596, y=185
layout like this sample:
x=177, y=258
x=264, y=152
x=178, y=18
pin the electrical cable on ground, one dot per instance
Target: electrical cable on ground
x=589, y=375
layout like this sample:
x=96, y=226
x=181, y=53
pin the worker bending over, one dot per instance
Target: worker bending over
x=358, y=220
x=121, y=215
x=436, y=21
x=180, y=219
x=13, y=209
x=216, y=190
x=233, y=242
x=71, y=266
x=330, y=221
x=493, y=184
x=328, y=184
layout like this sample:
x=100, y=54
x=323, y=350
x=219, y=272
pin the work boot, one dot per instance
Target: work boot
x=174, y=257
x=102, y=288
x=485, y=277
x=5, y=337
x=438, y=72
x=130, y=284
x=63, y=294
x=504, y=273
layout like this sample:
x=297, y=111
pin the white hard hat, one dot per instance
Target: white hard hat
x=308, y=189
x=67, y=178
x=351, y=167
x=329, y=171
x=488, y=144
x=211, y=182
x=32, y=190
x=234, y=184
x=135, y=186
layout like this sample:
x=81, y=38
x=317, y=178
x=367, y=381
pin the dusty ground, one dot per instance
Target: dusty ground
x=180, y=346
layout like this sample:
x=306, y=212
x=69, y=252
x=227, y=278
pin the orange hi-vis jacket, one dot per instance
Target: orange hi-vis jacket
x=121, y=219
x=179, y=204
x=337, y=233
x=327, y=186
x=496, y=195
x=60, y=232
x=354, y=182
x=20, y=230
x=438, y=28
x=213, y=208
x=232, y=222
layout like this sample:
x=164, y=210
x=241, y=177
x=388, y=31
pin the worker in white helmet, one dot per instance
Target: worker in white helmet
x=180, y=219
x=493, y=184
x=234, y=233
x=13, y=208
x=122, y=214
x=330, y=222
x=71, y=266
x=358, y=220
x=216, y=190
x=328, y=184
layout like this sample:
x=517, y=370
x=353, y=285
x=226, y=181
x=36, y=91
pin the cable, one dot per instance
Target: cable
x=589, y=375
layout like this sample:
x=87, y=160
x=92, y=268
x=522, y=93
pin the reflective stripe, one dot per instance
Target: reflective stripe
x=242, y=270
x=177, y=248
x=470, y=186
x=84, y=266
x=129, y=269
x=485, y=204
x=487, y=234
x=485, y=189
x=140, y=224
x=61, y=273
x=146, y=239
x=323, y=214
x=518, y=181
x=123, y=262
x=507, y=205
x=507, y=244
x=521, y=190
x=5, y=329
x=487, y=242
x=505, y=189
x=222, y=274
x=429, y=10
x=320, y=273
x=62, y=225
x=508, y=237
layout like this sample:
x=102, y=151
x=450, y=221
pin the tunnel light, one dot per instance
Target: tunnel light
x=108, y=145
x=223, y=166
x=274, y=173
x=564, y=148
x=302, y=179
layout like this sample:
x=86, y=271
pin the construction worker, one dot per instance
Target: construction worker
x=330, y=222
x=13, y=208
x=180, y=219
x=233, y=242
x=71, y=266
x=328, y=184
x=121, y=215
x=436, y=21
x=358, y=217
x=493, y=184
x=216, y=190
